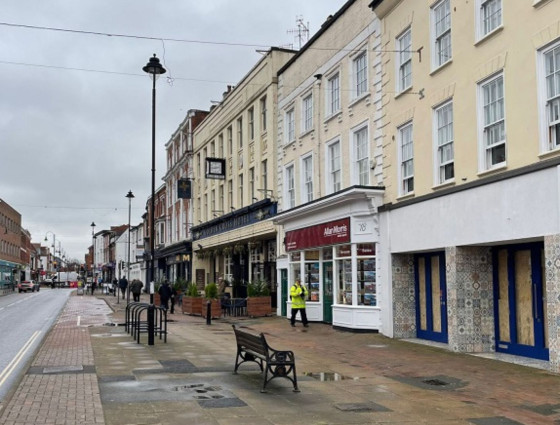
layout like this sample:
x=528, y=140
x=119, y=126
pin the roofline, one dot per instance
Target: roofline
x=324, y=27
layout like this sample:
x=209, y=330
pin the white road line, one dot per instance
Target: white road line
x=79, y=318
x=19, y=356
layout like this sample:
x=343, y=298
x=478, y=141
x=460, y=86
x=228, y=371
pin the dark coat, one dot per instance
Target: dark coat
x=164, y=292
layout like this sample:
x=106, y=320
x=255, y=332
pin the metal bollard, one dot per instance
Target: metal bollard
x=151, y=319
x=208, y=312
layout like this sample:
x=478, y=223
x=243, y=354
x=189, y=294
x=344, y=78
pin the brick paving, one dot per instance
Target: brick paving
x=87, y=373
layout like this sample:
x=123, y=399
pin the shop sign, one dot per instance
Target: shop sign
x=332, y=233
x=366, y=249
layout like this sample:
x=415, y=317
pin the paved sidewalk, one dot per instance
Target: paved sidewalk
x=101, y=376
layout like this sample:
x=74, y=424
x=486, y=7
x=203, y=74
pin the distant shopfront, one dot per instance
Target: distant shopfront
x=334, y=259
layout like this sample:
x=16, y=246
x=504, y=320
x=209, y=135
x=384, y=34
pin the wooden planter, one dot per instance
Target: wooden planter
x=157, y=300
x=259, y=306
x=216, y=308
x=192, y=305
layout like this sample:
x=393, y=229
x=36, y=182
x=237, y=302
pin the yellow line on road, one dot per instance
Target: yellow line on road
x=11, y=366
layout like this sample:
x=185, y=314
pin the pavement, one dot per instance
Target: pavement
x=90, y=371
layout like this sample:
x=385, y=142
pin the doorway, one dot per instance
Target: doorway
x=520, y=301
x=431, y=296
x=327, y=291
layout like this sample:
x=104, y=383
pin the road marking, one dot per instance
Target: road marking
x=19, y=356
x=79, y=318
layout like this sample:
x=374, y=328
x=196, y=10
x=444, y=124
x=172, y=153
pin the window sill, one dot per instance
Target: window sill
x=441, y=67
x=444, y=185
x=288, y=144
x=495, y=169
x=550, y=153
x=306, y=132
x=491, y=34
x=358, y=99
x=405, y=196
x=539, y=3
x=403, y=92
x=332, y=116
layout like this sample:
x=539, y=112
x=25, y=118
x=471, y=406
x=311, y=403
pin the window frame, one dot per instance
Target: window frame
x=360, y=85
x=444, y=36
x=404, y=61
x=480, y=7
x=307, y=113
x=290, y=188
x=306, y=178
x=334, y=176
x=441, y=167
x=406, y=180
x=333, y=96
x=290, y=125
x=363, y=161
x=486, y=152
x=546, y=132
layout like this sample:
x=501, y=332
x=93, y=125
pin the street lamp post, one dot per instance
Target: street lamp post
x=154, y=68
x=129, y=195
x=92, y=253
x=54, y=243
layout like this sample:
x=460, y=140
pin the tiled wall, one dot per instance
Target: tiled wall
x=404, y=309
x=470, y=299
x=552, y=279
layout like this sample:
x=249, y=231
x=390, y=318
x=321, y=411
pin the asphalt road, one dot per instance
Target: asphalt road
x=25, y=319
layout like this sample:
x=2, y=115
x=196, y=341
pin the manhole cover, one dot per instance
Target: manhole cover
x=361, y=407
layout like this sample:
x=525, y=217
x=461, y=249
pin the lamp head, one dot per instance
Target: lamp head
x=153, y=67
x=129, y=195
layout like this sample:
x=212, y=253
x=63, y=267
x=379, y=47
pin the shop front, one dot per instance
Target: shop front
x=335, y=259
x=8, y=274
x=178, y=261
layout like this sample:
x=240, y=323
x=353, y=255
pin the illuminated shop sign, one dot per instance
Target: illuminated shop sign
x=334, y=232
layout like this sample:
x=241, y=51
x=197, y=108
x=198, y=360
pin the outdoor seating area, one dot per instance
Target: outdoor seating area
x=233, y=306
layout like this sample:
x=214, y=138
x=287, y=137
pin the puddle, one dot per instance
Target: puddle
x=329, y=376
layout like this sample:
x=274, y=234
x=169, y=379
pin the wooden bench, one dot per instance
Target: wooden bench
x=254, y=348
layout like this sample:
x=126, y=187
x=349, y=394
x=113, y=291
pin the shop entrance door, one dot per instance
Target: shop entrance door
x=327, y=291
x=520, y=301
x=284, y=291
x=431, y=296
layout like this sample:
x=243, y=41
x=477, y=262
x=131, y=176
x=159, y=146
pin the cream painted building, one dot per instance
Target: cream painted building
x=234, y=188
x=470, y=222
x=330, y=171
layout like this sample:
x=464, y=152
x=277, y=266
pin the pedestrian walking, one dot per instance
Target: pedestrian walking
x=164, y=294
x=136, y=289
x=173, y=299
x=298, y=294
x=93, y=287
x=123, y=284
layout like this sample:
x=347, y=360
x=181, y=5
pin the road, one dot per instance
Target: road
x=26, y=319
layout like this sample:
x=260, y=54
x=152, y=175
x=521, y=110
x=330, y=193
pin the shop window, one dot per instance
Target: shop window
x=362, y=281
x=311, y=278
x=367, y=278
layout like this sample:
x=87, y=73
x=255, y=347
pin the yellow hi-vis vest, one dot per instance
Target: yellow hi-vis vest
x=298, y=295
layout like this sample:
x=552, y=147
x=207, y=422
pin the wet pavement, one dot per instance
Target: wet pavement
x=90, y=372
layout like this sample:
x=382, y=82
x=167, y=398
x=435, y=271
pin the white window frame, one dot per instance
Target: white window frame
x=444, y=147
x=488, y=20
x=360, y=155
x=290, y=185
x=549, y=98
x=307, y=113
x=491, y=117
x=306, y=178
x=360, y=75
x=404, y=60
x=333, y=95
x=441, y=33
x=334, y=166
x=290, y=125
x=406, y=159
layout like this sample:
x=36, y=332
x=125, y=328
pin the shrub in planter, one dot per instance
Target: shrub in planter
x=192, y=301
x=258, y=299
x=211, y=293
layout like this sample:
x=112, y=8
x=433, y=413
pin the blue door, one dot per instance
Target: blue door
x=520, y=301
x=431, y=296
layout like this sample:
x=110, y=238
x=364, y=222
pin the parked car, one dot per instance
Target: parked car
x=28, y=285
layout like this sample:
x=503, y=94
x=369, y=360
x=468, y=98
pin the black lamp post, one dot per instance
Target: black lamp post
x=154, y=68
x=129, y=195
x=54, y=243
x=92, y=253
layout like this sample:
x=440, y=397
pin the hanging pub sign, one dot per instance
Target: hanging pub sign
x=215, y=168
x=184, y=189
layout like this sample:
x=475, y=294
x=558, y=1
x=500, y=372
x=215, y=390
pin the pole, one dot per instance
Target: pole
x=128, y=262
x=152, y=213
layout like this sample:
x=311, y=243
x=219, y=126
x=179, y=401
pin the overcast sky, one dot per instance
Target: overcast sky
x=75, y=108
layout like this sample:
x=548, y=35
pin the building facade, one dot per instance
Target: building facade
x=234, y=189
x=470, y=222
x=11, y=263
x=329, y=172
x=178, y=178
